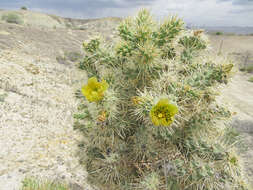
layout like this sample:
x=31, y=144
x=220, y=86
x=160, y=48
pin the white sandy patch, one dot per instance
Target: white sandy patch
x=36, y=123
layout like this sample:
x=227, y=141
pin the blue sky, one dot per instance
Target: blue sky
x=194, y=12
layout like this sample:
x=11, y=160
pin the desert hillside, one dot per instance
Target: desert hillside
x=38, y=80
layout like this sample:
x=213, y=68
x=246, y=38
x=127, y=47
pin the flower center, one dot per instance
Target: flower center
x=95, y=89
x=94, y=93
x=160, y=115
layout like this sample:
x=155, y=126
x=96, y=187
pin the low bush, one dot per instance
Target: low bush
x=12, y=18
x=23, y=8
x=219, y=33
x=2, y=97
x=250, y=79
x=247, y=68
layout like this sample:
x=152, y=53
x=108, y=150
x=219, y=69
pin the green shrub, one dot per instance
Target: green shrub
x=2, y=97
x=251, y=79
x=247, y=68
x=218, y=33
x=149, y=111
x=68, y=25
x=34, y=184
x=12, y=18
x=23, y=8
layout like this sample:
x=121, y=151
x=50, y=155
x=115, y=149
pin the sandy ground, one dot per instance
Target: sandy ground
x=232, y=43
x=238, y=94
x=37, y=138
x=238, y=97
x=36, y=107
x=37, y=100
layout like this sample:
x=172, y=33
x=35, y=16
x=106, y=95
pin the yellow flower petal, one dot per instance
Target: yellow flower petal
x=162, y=114
x=94, y=90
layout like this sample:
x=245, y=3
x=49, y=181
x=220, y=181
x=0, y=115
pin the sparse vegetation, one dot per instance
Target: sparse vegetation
x=250, y=79
x=61, y=59
x=247, y=64
x=2, y=97
x=219, y=33
x=149, y=111
x=69, y=57
x=247, y=68
x=35, y=184
x=23, y=8
x=68, y=25
x=73, y=56
x=12, y=18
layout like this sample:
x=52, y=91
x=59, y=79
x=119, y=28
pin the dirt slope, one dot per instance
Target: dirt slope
x=37, y=101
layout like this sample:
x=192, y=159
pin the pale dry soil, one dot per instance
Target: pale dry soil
x=238, y=94
x=37, y=101
x=238, y=97
x=37, y=138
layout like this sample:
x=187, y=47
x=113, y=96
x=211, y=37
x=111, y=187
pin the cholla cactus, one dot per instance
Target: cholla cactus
x=153, y=122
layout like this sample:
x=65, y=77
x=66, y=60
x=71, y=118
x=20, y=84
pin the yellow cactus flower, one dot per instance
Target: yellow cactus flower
x=94, y=90
x=162, y=114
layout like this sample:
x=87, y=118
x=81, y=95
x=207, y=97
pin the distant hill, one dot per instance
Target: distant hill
x=231, y=29
x=36, y=19
x=228, y=29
